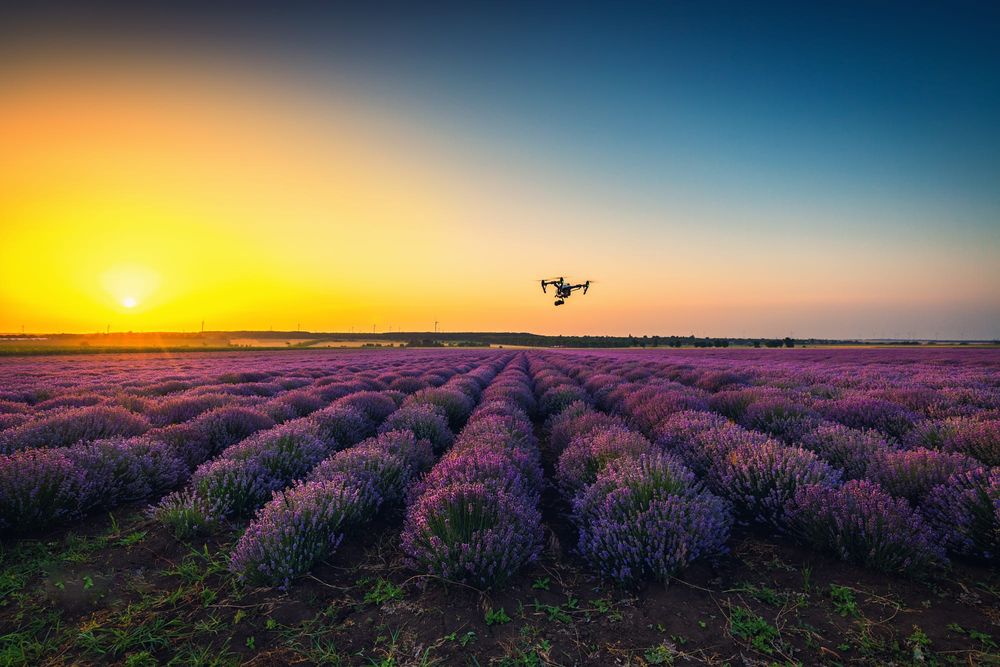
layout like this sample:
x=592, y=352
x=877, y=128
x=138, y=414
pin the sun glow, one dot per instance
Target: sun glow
x=129, y=302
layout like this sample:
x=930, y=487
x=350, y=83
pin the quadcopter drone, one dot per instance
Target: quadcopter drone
x=563, y=289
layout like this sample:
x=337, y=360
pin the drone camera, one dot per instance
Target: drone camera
x=563, y=289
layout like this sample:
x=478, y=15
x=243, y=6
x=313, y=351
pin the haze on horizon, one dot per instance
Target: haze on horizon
x=724, y=170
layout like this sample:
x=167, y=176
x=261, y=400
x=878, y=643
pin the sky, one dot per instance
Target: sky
x=722, y=169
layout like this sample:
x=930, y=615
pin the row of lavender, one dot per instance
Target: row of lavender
x=640, y=512
x=881, y=462
x=242, y=477
x=66, y=461
x=896, y=509
x=475, y=518
x=307, y=521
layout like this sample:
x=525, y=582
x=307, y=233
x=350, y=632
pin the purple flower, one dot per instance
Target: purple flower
x=12, y=419
x=965, y=512
x=66, y=427
x=408, y=385
x=292, y=405
x=655, y=405
x=780, y=417
x=341, y=426
x=118, y=470
x=182, y=408
x=979, y=438
x=866, y=412
x=375, y=405
x=510, y=471
x=852, y=450
x=560, y=396
x=588, y=454
x=70, y=401
x=645, y=517
x=513, y=432
x=861, y=523
x=471, y=533
x=457, y=405
x=911, y=474
x=577, y=419
x=300, y=526
x=38, y=488
x=243, y=477
x=759, y=479
x=425, y=421
x=203, y=437
x=390, y=463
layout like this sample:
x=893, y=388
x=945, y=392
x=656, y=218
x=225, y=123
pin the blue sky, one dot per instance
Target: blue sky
x=847, y=149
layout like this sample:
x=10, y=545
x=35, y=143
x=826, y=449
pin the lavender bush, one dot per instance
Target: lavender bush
x=203, y=437
x=292, y=405
x=911, y=474
x=376, y=405
x=852, y=450
x=965, y=512
x=588, y=454
x=68, y=426
x=38, y=489
x=119, y=470
x=425, y=421
x=862, y=524
x=645, y=517
x=340, y=426
x=457, y=405
x=471, y=533
x=300, y=526
x=780, y=417
x=182, y=408
x=559, y=397
x=390, y=463
x=867, y=412
x=760, y=479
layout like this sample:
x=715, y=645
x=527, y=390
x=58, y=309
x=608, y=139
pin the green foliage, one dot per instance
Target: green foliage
x=496, y=616
x=844, y=602
x=381, y=591
x=745, y=624
x=663, y=654
x=541, y=584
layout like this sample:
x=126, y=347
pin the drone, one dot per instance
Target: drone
x=563, y=289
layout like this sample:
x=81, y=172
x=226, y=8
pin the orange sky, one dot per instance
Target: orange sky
x=254, y=200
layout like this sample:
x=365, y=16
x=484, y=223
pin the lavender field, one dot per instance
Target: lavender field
x=512, y=507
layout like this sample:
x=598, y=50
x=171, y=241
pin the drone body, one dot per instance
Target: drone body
x=563, y=289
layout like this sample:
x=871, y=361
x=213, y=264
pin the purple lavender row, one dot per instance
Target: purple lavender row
x=78, y=417
x=891, y=475
x=37, y=384
x=953, y=411
x=244, y=476
x=475, y=519
x=640, y=512
x=44, y=487
x=773, y=484
x=305, y=523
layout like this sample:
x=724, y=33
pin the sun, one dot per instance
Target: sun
x=129, y=302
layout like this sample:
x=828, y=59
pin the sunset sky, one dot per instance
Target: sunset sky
x=719, y=169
